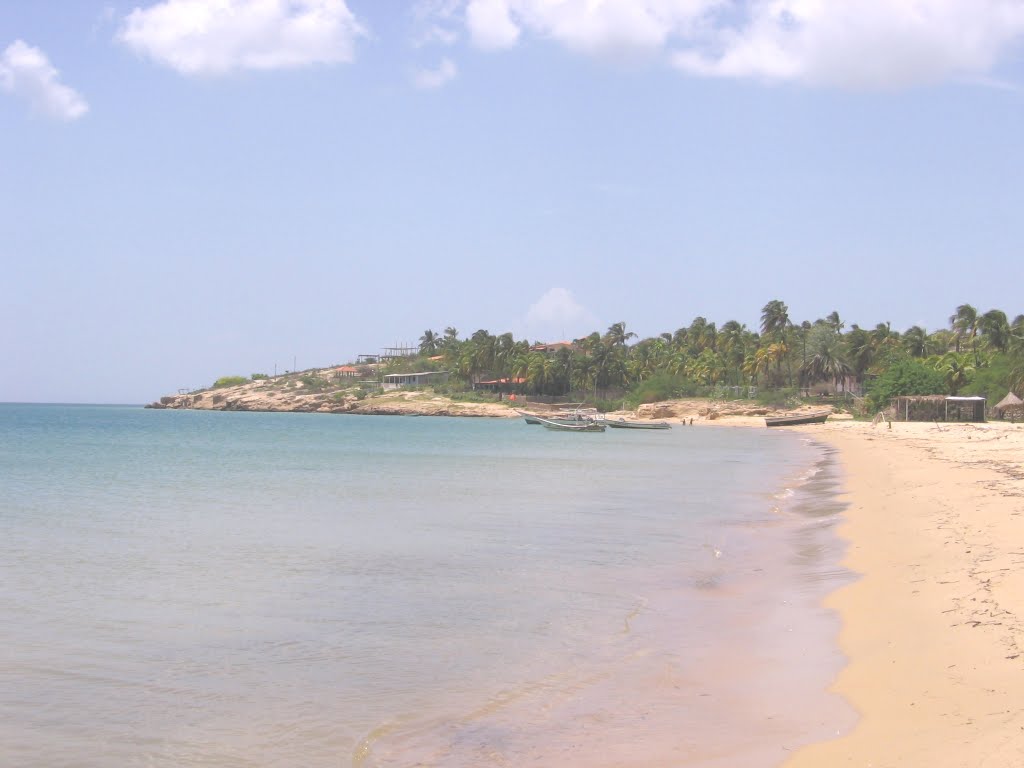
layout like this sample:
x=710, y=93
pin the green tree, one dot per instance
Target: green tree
x=964, y=323
x=774, y=318
x=825, y=362
x=995, y=329
x=916, y=342
x=617, y=335
x=906, y=377
x=835, y=323
x=956, y=369
x=429, y=343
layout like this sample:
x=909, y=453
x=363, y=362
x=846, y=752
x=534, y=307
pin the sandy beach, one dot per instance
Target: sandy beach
x=932, y=629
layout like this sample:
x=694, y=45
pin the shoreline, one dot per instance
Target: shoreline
x=932, y=629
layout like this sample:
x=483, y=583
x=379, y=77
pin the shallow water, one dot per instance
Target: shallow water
x=233, y=589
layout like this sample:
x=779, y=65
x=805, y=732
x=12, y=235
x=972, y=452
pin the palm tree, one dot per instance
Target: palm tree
x=617, y=335
x=732, y=341
x=916, y=342
x=702, y=334
x=995, y=329
x=942, y=340
x=825, y=362
x=482, y=346
x=834, y=322
x=680, y=339
x=1016, y=350
x=861, y=351
x=965, y=323
x=957, y=370
x=428, y=343
x=451, y=337
x=774, y=318
x=775, y=324
x=803, y=331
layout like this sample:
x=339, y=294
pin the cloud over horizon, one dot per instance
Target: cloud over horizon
x=556, y=314
x=216, y=37
x=26, y=71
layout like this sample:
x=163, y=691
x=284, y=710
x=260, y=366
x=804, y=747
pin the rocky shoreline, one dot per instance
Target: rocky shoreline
x=260, y=396
x=297, y=395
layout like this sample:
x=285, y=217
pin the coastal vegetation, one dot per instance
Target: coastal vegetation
x=229, y=381
x=777, y=364
x=979, y=353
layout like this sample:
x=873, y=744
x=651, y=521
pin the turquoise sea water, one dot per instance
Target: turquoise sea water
x=186, y=588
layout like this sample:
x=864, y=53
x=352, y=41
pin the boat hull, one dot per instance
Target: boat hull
x=622, y=424
x=569, y=427
x=792, y=421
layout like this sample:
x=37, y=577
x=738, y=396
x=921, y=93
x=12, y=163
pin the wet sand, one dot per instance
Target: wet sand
x=933, y=630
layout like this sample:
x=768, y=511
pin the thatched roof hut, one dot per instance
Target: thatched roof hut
x=1011, y=404
x=938, y=408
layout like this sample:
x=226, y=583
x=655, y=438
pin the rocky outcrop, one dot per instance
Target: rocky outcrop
x=311, y=394
x=291, y=395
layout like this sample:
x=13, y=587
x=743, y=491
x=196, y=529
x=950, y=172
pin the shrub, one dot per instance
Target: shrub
x=313, y=383
x=663, y=386
x=785, y=397
x=905, y=377
x=259, y=377
x=230, y=381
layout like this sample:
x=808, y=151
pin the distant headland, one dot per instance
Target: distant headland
x=782, y=364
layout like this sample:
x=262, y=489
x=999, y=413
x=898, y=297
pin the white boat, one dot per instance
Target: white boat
x=565, y=426
x=566, y=415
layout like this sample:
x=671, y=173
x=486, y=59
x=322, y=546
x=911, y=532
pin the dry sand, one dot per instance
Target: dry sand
x=933, y=629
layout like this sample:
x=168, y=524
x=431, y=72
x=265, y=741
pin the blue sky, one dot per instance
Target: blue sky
x=194, y=189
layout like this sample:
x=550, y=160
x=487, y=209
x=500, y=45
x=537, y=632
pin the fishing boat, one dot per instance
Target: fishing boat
x=797, y=418
x=530, y=418
x=570, y=416
x=563, y=426
x=623, y=424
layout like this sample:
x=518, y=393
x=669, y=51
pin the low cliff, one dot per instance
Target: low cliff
x=312, y=395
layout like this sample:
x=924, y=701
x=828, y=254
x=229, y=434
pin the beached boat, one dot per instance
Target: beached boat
x=581, y=426
x=796, y=418
x=623, y=424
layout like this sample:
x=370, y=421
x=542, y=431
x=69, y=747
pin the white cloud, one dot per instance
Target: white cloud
x=557, y=314
x=490, y=24
x=845, y=43
x=434, y=20
x=864, y=44
x=26, y=72
x=198, y=37
x=435, y=78
x=590, y=26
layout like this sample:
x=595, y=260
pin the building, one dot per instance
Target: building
x=514, y=384
x=553, y=347
x=423, y=379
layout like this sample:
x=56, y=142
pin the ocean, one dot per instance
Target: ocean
x=191, y=588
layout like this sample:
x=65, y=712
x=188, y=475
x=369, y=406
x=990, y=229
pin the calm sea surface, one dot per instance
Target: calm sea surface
x=234, y=589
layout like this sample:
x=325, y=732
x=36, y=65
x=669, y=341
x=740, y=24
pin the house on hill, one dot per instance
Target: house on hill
x=422, y=379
